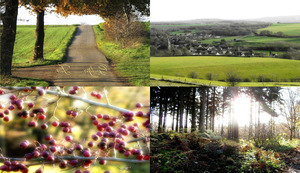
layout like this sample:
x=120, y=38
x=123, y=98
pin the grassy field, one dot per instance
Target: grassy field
x=131, y=62
x=57, y=39
x=254, y=41
x=245, y=68
x=291, y=29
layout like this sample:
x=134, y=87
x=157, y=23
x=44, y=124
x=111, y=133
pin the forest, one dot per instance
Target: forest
x=225, y=129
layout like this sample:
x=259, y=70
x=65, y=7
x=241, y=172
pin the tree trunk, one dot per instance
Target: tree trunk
x=193, y=128
x=165, y=114
x=177, y=117
x=9, y=20
x=160, y=116
x=251, y=118
x=173, y=116
x=212, y=124
x=187, y=113
x=202, y=109
x=181, y=113
x=207, y=106
x=40, y=35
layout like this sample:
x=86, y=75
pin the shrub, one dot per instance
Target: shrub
x=193, y=75
x=232, y=78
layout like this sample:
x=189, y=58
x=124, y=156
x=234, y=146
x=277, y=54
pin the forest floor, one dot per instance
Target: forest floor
x=205, y=152
x=85, y=65
x=294, y=159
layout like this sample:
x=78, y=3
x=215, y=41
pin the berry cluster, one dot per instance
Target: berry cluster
x=113, y=134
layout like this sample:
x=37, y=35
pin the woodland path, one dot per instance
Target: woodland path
x=85, y=65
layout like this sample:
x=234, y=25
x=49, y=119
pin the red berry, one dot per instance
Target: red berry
x=63, y=164
x=12, y=97
x=102, y=162
x=41, y=92
x=73, y=162
x=32, y=124
x=106, y=117
x=94, y=93
x=1, y=91
x=55, y=123
x=30, y=105
x=139, y=105
x=42, y=117
x=91, y=144
x=99, y=96
x=68, y=138
x=24, y=144
x=86, y=153
x=72, y=92
x=99, y=116
x=52, y=142
x=44, y=126
x=48, y=137
x=78, y=147
x=140, y=114
x=6, y=118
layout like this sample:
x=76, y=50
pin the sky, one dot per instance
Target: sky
x=176, y=10
x=26, y=17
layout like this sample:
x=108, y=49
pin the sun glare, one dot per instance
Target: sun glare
x=241, y=106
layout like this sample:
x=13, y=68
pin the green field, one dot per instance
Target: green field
x=292, y=29
x=219, y=67
x=56, y=42
x=130, y=62
x=255, y=41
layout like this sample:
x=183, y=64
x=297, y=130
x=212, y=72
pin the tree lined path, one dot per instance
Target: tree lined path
x=85, y=65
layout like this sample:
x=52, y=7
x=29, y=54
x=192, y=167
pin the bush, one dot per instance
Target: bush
x=232, y=78
x=261, y=78
x=193, y=75
x=247, y=80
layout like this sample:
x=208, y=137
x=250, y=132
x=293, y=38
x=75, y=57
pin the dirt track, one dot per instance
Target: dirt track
x=85, y=65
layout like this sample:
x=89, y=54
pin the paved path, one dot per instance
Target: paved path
x=85, y=65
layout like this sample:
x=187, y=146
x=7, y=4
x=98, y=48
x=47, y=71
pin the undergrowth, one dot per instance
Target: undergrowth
x=207, y=152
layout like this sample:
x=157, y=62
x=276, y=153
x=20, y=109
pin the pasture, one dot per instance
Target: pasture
x=57, y=39
x=291, y=29
x=218, y=67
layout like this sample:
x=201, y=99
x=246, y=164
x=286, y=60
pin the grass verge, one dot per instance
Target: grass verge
x=17, y=81
x=132, y=62
x=165, y=80
x=57, y=40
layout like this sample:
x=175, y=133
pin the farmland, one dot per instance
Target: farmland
x=57, y=39
x=218, y=67
x=288, y=29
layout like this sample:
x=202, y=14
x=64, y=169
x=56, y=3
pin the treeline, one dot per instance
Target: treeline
x=197, y=108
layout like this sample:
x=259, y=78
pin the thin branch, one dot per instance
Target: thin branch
x=75, y=97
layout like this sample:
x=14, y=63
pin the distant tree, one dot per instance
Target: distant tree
x=291, y=110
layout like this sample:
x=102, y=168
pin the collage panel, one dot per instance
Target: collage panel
x=67, y=43
x=74, y=129
x=225, y=129
x=225, y=43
